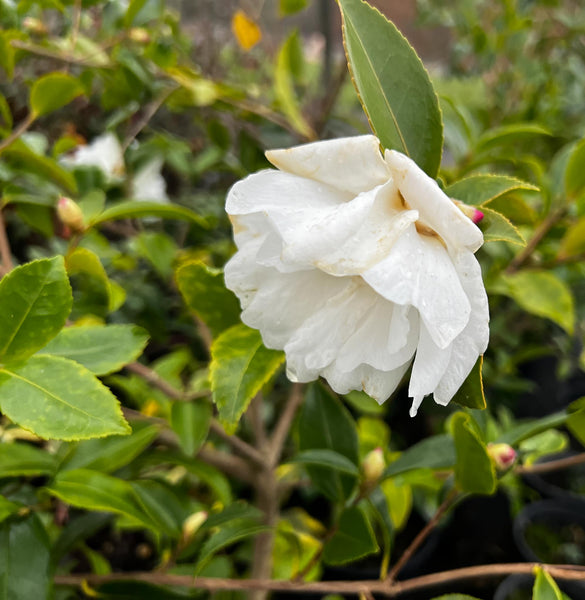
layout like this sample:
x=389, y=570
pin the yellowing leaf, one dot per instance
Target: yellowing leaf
x=247, y=32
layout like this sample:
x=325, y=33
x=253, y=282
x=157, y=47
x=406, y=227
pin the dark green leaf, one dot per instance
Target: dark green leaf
x=393, y=85
x=23, y=460
x=7, y=509
x=136, y=209
x=190, y=421
x=353, y=539
x=437, y=452
x=326, y=458
x=470, y=394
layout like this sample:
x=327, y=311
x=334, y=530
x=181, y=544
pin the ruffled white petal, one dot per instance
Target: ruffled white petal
x=352, y=164
x=419, y=272
x=435, y=207
x=149, y=184
x=104, y=152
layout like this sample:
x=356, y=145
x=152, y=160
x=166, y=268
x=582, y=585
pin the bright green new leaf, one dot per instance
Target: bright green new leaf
x=240, y=366
x=497, y=228
x=53, y=91
x=285, y=91
x=545, y=587
x=575, y=171
x=474, y=469
x=353, y=539
x=483, y=189
x=542, y=293
x=24, y=560
x=393, y=85
x=8, y=508
x=136, y=209
x=36, y=300
x=204, y=291
x=399, y=500
x=545, y=443
x=57, y=398
x=573, y=242
x=190, y=421
x=437, y=452
x=325, y=423
x=470, y=394
x=326, y=458
x=290, y=7
x=23, y=460
x=102, y=349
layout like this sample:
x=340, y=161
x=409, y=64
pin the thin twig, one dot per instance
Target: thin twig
x=237, y=443
x=156, y=380
x=18, y=131
x=423, y=534
x=553, y=465
x=283, y=425
x=60, y=56
x=390, y=590
x=231, y=465
x=5, y=253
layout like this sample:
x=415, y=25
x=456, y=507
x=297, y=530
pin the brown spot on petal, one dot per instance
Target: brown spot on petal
x=428, y=232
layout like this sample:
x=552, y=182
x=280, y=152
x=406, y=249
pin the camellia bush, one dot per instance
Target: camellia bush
x=244, y=336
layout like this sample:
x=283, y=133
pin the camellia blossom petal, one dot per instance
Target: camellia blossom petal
x=358, y=266
x=104, y=152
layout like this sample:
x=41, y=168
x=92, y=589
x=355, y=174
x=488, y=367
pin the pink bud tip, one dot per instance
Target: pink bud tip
x=503, y=454
x=477, y=216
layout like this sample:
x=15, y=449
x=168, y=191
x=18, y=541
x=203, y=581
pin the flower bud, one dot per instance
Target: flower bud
x=469, y=211
x=503, y=455
x=139, y=35
x=192, y=524
x=373, y=465
x=70, y=214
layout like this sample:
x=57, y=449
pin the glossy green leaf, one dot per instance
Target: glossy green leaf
x=326, y=458
x=240, y=366
x=58, y=398
x=102, y=349
x=99, y=492
x=497, y=228
x=52, y=91
x=204, y=291
x=24, y=560
x=437, y=452
x=110, y=454
x=23, y=460
x=36, y=300
x=353, y=539
x=575, y=171
x=470, y=394
x=393, y=85
x=190, y=421
x=573, y=242
x=545, y=587
x=483, y=189
x=137, y=209
x=543, y=294
x=285, y=91
x=325, y=423
x=8, y=508
x=474, y=470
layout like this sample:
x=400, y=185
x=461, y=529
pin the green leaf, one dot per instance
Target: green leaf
x=573, y=242
x=437, y=452
x=285, y=91
x=576, y=423
x=102, y=349
x=56, y=398
x=52, y=91
x=159, y=249
x=523, y=431
x=136, y=209
x=497, y=228
x=99, y=492
x=455, y=597
x=290, y=7
x=548, y=442
x=226, y=536
x=575, y=171
x=393, y=85
x=543, y=294
x=23, y=460
x=190, y=421
x=474, y=469
x=510, y=134
x=110, y=454
x=353, y=539
x=470, y=394
x=7, y=509
x=233, y=512
x=204, y=292
x=399, y=500
x=240, y=366
x=483, y=189
x=326, y=458
x=24, y=560
x=545, y=587
x=325, y=423
x=36, y=300
x=380, y=503
x=160, y=503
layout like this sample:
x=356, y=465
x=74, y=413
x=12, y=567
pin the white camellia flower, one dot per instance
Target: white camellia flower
x=355, y=264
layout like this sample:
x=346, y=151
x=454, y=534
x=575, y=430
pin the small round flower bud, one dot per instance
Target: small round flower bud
x=70, y=214
x=470, y=211
x=503, y=455
x=139, y=35
x=192, y=524
x=373, y=465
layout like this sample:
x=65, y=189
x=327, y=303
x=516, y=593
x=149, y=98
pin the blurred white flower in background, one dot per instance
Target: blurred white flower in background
x=105, y=153
x=355, y=264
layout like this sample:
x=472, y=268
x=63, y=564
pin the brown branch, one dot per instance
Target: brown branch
x=553, y=465
x=5, y=253
x=283, y=425
x=231, y=465
x=18, y=131
x=254, y=415
x=156, y=381
x=390, y=590
x=237, y=443
x=422, y=536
